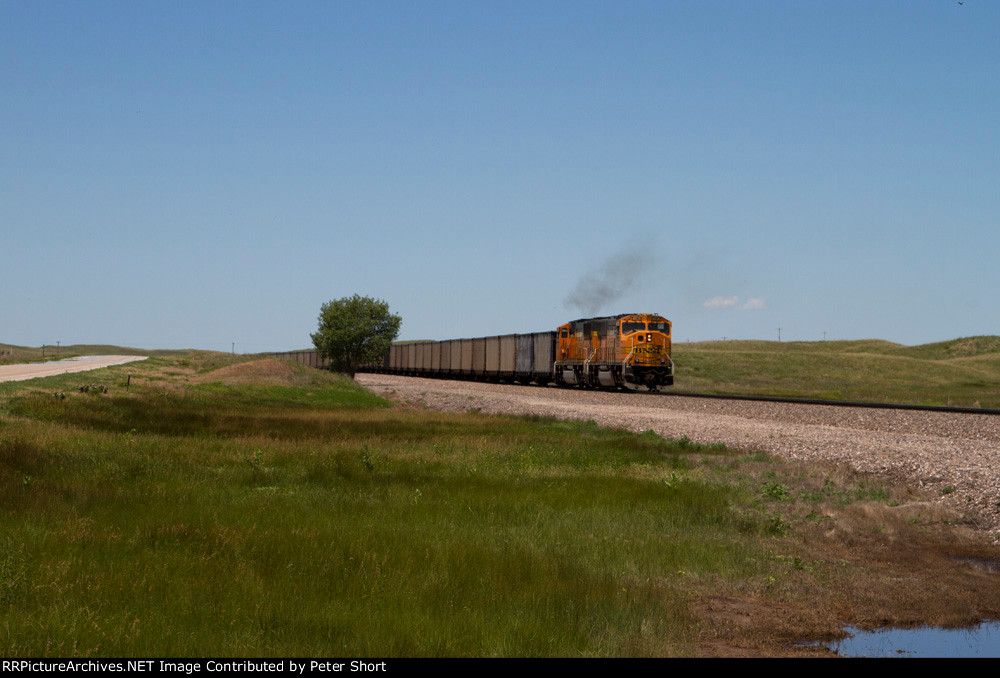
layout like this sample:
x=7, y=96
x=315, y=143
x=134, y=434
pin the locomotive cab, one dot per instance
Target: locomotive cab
x=647, y=340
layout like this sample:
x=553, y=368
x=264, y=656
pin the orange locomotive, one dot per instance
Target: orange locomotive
x=615, y=351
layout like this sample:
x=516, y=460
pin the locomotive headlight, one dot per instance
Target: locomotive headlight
x=649, y=337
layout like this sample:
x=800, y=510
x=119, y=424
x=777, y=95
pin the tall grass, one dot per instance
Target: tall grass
x=262, y=521
x=193, y=516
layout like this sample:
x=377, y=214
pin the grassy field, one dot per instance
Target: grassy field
x=230, y=508
x=963, y=372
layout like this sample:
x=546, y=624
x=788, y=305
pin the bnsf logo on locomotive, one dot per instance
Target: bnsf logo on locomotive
x=650, y=350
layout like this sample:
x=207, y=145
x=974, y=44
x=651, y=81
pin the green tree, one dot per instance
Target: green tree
x=355, y=331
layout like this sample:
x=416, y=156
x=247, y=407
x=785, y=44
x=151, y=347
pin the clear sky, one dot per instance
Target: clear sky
x=197, y=174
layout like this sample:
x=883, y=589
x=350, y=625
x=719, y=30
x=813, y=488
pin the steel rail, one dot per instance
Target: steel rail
x=832, y=403
x=722, y=396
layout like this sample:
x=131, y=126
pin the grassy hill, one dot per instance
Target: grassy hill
x=963, y=372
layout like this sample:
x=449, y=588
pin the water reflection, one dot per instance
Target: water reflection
x=980, y=641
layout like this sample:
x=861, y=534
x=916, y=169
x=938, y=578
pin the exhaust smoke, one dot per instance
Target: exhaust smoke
x=609, y=283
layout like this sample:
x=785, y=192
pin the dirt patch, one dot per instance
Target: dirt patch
x=267, y=371
x=748, y=628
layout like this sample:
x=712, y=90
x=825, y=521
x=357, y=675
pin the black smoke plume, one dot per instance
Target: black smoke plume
x=607, y=284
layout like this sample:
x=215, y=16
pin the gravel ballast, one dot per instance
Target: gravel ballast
x=935, y=451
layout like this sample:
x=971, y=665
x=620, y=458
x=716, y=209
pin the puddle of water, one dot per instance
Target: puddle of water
x=979, y=642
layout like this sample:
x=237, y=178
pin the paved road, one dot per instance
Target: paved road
x=81, y=364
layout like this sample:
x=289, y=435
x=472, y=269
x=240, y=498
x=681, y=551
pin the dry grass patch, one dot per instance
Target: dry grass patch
x=267, y=371
x=848, y=547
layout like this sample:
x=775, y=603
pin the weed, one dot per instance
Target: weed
x=685, y=444
x=366, y=459
x=12, y=579
x=776, y=491
x=811, y=496
x=653, y=436
x=796, y=562
x=776, y=525
x=255, y=461
x=818, y=517
x=671, y=482
x=948, y=489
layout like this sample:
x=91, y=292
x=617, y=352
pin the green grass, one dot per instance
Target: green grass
x=296, y=514
x=277, y=520
x=963, y=372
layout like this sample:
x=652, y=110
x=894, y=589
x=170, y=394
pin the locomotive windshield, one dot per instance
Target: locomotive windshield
x=628, y=327
x=659, y=327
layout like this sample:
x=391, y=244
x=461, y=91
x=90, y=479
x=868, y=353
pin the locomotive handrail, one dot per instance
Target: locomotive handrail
x=667, y=354
x=625, y=359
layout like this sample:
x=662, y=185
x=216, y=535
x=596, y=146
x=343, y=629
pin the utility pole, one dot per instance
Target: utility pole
x=779, y=334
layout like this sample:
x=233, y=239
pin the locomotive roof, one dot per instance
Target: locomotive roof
x=609, y=317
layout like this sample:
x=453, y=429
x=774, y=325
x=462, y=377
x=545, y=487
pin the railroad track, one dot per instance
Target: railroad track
x=772, y=399
x=833, y=403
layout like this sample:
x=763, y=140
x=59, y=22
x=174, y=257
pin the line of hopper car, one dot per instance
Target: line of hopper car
x=622, y=351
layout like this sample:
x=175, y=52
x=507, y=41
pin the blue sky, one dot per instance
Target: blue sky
x=198, y=174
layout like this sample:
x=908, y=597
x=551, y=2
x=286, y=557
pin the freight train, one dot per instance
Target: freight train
x=621, y=351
